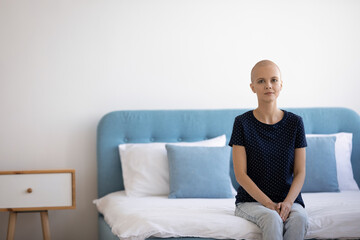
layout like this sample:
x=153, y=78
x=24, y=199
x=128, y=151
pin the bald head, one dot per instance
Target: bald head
x=262, y=63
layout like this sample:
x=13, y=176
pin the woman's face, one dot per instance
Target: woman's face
x=266, y=82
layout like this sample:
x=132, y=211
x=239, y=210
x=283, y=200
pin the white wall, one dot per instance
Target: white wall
x=65, y=63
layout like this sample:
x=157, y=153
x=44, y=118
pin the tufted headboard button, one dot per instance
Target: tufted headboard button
x=179, y=139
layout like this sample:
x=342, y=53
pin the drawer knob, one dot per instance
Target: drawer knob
x=29, y=190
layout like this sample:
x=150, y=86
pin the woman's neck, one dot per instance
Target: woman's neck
x=268, y=114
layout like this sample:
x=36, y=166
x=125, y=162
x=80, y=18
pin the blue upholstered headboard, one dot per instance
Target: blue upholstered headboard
x=193, y=125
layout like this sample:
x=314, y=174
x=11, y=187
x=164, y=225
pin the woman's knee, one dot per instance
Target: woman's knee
x=271, y=225
x=271, y=218
x=299, y=218
x=296, y=225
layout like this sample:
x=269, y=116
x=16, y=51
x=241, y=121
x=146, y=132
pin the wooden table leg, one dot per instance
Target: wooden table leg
x=11, y=226
x=45, y=224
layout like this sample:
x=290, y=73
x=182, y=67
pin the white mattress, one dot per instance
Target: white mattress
x=331, y=215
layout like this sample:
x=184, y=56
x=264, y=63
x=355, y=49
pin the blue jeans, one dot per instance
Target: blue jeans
x=270, y=223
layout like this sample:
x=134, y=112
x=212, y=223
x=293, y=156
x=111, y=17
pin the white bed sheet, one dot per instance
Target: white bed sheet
x=331, y=215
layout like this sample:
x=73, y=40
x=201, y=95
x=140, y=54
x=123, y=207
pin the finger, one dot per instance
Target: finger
x=284, y=212
x=286, y=217
x=278, y=208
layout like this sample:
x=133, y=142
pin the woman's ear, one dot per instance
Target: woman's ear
x=252, y=87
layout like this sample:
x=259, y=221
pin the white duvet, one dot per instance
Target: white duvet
x=331, y=215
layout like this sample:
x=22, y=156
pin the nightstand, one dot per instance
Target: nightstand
x=36, y=191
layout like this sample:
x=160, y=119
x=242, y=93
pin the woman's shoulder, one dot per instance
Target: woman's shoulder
x=292, y=116
x=245, y=116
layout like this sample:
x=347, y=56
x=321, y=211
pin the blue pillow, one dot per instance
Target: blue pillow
x=321, y=174
x=199, y=172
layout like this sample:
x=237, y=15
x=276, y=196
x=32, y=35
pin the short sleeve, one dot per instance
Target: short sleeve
x=300, y=141
x=237, y=136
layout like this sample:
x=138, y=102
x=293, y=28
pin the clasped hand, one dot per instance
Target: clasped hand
x=282, y=208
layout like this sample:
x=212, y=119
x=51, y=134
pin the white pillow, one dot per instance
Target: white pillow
x=343, y=148
x=146, y=169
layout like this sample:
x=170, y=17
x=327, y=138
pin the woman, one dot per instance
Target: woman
x=269, y=160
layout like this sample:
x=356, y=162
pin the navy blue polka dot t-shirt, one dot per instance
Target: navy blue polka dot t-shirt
x=270, y=151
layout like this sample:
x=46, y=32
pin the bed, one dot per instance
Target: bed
x=149, y=211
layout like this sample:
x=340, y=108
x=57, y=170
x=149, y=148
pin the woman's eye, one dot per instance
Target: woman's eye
x=261, y=81
x=274, y=80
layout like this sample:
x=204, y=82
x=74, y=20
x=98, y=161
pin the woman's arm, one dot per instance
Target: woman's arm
x=298, y=182
x=240, y=169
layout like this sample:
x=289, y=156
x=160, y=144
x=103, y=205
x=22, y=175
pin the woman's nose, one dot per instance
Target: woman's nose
x=268, y=86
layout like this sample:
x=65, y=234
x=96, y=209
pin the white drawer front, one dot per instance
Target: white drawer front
x=48, y=190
